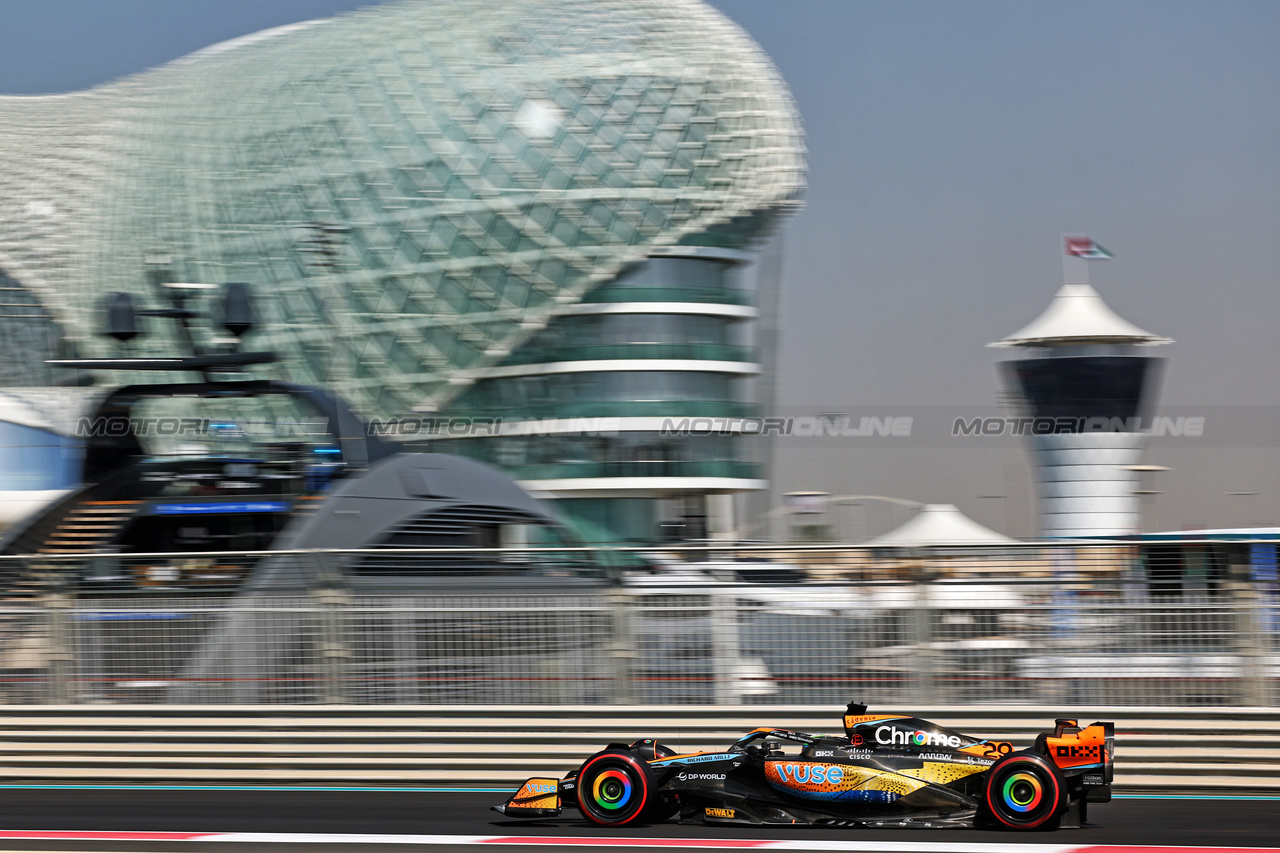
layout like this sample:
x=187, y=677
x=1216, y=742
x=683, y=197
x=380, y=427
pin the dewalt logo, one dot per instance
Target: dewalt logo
x=720, y=812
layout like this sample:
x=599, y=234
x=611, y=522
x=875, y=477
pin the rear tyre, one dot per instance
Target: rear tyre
x=1025, y=791
x=614, y=788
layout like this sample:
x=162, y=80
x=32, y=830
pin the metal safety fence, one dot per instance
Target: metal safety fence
x=1194, y=625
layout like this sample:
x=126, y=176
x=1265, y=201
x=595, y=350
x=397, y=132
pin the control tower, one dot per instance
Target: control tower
x=1087, y=392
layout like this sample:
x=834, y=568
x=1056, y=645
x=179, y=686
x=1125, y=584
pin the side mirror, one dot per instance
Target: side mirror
x=237, y=309
x=122, y=323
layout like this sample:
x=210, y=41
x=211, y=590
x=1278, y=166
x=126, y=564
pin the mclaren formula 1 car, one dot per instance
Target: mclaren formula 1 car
x=887, y=770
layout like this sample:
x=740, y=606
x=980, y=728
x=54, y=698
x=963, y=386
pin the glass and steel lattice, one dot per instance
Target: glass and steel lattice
x=519, y=209
x=412, y=190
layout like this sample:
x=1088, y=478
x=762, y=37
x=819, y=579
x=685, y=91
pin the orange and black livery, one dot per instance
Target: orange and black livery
x=885, y=770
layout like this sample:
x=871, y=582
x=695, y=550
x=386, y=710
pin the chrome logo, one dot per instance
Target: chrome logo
x=1022, y=792
x=612, y=789
x=890, y=735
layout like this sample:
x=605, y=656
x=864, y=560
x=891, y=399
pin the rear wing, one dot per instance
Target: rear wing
x=1088, y=753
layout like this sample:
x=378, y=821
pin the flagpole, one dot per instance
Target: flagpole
x=1075, y=269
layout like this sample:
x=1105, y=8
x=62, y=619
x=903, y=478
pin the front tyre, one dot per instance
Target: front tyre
x=614, y=788
x=1025, y=791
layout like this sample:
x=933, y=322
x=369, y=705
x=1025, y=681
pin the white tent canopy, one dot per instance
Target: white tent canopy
x=1077, y=315
x=940, y=525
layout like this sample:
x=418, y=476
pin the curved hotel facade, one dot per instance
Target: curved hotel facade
x=527, y=212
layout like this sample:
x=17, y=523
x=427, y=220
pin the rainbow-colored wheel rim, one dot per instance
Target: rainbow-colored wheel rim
x=611, y=790
x=1022, y=792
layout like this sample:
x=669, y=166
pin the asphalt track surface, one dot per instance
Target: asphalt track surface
x=1178, y=822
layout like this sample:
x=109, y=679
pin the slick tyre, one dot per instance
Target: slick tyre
x=615, y=789
x=1024, y=791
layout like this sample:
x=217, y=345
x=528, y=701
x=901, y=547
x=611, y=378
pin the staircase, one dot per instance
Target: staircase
x=87, y=528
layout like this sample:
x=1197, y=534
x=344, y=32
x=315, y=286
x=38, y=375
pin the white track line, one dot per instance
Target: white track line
x=536, y=841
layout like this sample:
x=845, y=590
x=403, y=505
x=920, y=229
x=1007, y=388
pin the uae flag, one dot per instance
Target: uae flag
x=1083, y=247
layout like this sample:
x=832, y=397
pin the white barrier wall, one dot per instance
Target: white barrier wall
x=1167, y=750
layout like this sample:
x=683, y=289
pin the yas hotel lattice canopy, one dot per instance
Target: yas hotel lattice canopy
x=514, y=208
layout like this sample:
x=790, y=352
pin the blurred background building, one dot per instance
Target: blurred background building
x=532, y=211
x=1088, y=394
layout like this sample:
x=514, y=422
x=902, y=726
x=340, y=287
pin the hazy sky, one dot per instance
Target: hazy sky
x=951, y=144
